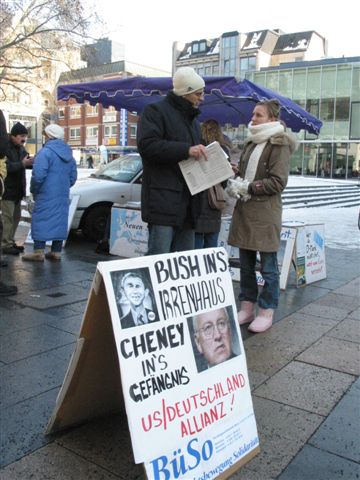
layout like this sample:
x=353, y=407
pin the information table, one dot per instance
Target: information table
x=302, y=245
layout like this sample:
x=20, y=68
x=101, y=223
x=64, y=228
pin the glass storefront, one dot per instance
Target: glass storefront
x=330, y=90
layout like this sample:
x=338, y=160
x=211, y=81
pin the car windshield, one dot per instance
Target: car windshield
x=122, y=169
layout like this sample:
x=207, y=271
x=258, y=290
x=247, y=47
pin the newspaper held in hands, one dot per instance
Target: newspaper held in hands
x=202, y=174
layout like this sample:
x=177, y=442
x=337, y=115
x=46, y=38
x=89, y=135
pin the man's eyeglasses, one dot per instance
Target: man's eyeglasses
x=208, y=331
x=199, y=94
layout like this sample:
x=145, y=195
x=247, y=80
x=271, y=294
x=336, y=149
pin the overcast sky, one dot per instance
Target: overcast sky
x=148, y=28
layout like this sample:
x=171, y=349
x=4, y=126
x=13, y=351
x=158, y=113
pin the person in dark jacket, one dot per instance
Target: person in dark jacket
x=90, y=161
x=208, y=219
x=169, y=132
x=17, y=159
x=5, y=290
x=53, y=174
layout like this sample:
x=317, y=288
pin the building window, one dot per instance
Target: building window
x=61, y=112
x=312, y=106
x=75, y=111
x=355, y=121
x=327, y=109
x=91, y=111
x=133, y=130
x=342, y=108
x=247, y=64
x=110, y=130
x=202, y=47
x=229, y=54
x=195, y=48
x=91, y=132
x=75, y=133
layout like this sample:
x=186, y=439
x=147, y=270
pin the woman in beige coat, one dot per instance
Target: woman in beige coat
x=256, y=222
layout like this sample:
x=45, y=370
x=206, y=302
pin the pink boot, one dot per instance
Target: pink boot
x=263, y=320
x=247, y=312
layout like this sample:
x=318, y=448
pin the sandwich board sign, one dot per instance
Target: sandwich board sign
x=160, y=335
x=310, y=254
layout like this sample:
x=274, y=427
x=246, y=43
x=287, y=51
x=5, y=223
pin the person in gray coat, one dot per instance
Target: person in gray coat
x=256, y=222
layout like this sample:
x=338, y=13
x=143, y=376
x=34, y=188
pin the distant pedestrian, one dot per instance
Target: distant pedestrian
x=256, y=223
x=17, y=160
x=53, y=174
x=5, y=290
x=90, y=161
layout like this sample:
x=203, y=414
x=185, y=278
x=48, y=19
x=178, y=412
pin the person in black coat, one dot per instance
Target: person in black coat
x=208, y=218
x=17, y=159
x=168, y=132
x=5, y=290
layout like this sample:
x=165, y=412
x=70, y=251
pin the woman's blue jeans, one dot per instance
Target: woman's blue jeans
x=56, y=245
x=269, y=295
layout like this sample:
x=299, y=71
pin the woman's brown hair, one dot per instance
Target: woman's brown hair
x=211, y=132
x=272, y=106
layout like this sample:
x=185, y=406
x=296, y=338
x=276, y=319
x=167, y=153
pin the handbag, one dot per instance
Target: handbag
x=216, y=197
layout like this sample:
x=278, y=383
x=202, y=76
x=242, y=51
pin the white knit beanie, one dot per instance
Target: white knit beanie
x=186, y=81
x=54, y=131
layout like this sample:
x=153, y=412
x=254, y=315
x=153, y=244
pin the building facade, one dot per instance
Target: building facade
x=92, y=130
x=330, y=90
x=236, y=54
x=101, y=132
x=294, y=65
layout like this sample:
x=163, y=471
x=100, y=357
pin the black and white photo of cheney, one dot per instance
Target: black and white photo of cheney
x=134, y=297
x=214, y=338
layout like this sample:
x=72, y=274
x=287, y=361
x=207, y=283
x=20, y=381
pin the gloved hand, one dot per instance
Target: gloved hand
x=238, y=188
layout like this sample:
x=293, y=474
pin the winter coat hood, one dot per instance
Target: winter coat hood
x=60, y=148
x=285, y=139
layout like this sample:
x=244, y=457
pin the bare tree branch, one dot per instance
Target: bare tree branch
x=37, y=33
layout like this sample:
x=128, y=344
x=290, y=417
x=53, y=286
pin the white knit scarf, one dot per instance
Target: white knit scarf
x=259, y=134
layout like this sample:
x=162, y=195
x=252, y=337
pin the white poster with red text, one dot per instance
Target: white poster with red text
x=182, y=363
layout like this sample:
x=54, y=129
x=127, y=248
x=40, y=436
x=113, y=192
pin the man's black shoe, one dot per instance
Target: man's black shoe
x=102, y=246
x=7, y=290
x=3, y=263
x=10, y=251
x=21, y=248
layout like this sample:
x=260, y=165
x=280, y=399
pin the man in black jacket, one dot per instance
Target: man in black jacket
x=17, y=159
x=169, y=132
x=5, y=290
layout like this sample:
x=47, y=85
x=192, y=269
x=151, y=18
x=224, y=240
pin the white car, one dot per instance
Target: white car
x=117, y=182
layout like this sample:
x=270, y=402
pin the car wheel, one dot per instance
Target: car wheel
x=94, y=223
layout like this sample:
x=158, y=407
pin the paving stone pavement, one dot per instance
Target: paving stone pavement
x=304, y=375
